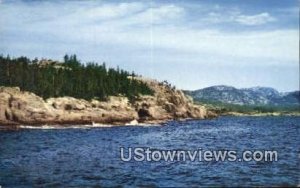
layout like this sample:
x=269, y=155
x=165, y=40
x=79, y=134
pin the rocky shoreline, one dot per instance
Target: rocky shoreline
x=25, y=108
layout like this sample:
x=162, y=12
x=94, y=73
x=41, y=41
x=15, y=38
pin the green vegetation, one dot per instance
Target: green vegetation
x=48, y=78
x=222, y=108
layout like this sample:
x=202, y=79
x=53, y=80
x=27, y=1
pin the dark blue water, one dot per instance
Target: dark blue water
x=89, y=157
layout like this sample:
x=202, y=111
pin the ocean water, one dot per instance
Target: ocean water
x=91, y=157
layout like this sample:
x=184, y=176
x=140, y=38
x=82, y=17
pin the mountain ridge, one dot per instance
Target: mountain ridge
x=245, y=96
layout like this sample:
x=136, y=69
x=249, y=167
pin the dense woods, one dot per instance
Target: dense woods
x=220, y=107
x=48, y=78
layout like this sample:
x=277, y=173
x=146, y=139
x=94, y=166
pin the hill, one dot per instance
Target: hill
x=255, y=96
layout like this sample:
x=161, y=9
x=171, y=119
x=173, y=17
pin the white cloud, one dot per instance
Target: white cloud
x=163, y=13
x=109, y=11
x=235, y=16
x=257, y=19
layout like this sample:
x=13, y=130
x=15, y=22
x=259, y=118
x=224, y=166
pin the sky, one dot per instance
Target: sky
x=193, y=43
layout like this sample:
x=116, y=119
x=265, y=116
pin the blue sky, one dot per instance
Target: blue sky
x=192, y=44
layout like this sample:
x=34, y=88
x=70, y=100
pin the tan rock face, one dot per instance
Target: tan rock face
x=19, y=107
x=68, y=103
x=167, y=103
x=5, y=113
x=23, y=107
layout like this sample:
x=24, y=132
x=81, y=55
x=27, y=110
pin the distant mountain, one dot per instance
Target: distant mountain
x=245, y=96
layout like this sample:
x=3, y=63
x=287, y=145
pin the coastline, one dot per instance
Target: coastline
x=78, y=125
x=150, y=123
x=23, y=108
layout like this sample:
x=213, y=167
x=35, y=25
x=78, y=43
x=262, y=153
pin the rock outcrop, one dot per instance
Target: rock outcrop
x=21, y=107
x=167, y=103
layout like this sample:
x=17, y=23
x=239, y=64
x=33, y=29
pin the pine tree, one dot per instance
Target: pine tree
x=71, y=78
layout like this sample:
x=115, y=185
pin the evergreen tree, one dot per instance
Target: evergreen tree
x=70, y=78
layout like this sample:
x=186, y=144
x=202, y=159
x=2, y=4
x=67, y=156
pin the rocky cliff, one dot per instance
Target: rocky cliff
x=21, y=107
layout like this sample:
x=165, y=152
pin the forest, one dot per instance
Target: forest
x=221, y=108
x=48, y=78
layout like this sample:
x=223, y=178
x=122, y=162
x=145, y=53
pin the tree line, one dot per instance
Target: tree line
x=48, y=78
